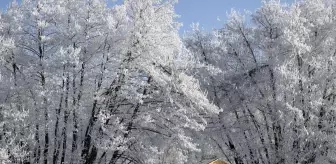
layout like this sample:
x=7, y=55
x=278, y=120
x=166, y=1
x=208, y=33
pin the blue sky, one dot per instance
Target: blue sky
x=205, y=12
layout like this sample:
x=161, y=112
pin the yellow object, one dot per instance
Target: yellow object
x=218, y=162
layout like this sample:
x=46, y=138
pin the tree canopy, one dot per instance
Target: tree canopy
x=82, y=82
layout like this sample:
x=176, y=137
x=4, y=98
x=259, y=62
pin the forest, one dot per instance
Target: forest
x=82, y=82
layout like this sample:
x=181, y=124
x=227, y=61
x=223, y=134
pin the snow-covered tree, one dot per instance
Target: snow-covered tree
x=91, y=84
x=82, y=82
x=276, y=89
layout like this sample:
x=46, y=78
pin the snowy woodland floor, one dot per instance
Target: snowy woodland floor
x=81, y=82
